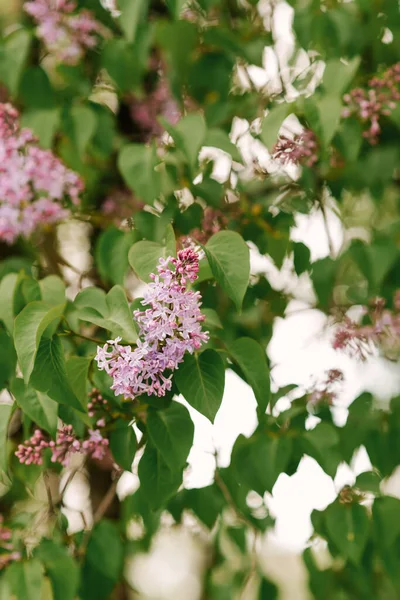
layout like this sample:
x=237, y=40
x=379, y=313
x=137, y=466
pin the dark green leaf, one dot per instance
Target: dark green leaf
x=63, y=571
x=144, y=256
x=252, y=360
x=38, y=406
x=26, y=579
x=201, y=380
x=123, y=444
x=171, y=432
x=157, y=481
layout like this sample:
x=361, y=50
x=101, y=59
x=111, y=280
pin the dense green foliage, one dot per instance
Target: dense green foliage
x=52, y=318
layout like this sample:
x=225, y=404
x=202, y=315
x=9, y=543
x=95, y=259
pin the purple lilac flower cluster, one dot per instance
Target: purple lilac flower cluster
x=8, y=554
x=379, y=99
x=326, y=392
x=65, y=32
x=383, y=331
x=158, y=102
x=66, y=444
x=33, y=182
x=302, y=149
x=170, y=327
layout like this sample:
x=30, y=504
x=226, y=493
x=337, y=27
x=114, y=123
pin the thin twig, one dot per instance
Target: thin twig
x=228, y=497
x=48, y=491
x=328, y=234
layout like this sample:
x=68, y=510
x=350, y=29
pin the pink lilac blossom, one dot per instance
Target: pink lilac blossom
x=34, y=184
x=169, y=328
x=66, y=444
x=300, y=150
x=379, y=99
x=67, y=34
x=8, y=554
x=382, y=332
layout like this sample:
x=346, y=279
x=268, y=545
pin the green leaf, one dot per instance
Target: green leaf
x=322, y=443
x=272, y=124
x=189, y=135
x=206, y=503
x=201, y=380
x=229, y=258
x=386, y=520
x=268, y=590
x=131, y=15
x=348, y=529
x=111, y=254
x=30, y=325
x=52, y=290
x=7, y=290
x=43, y=122
x=5, y=414
x=259, y=460
x=26, y=579
x=218, y=138
x=115, y=315
x=338, y=75
x=144, y=256
x=13, y=54
x=171, y=432
x=330, y=108
x=252, y=360
x=301, y=258
x=38, y=406
x=323, y=276
x=49, y=374
x=62, y=569
x=123, y=444
x=157, y=481
x=8, y=358
x=137, y=164
x=369, y=481
x=212, y=319
x=84, y=125
x=77, y=368
x=104, y=562
x=120, y=59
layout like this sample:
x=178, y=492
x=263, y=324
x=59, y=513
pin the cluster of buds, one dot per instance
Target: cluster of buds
x=66, y=444
x=120, y=205
x=379, y=99
x=302, y=149
x=327, y=391
x=66, y=33
x=214, y=220
x=98, y=407
x=8, y=554
x=382, y=331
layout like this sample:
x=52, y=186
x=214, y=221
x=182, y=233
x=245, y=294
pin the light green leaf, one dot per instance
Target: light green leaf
x=62, y=569
x=201, y=380
x=84, y=125
x=123, y=444
x=7, y=290
x=330, y=108
x=259, y=460
x=5, y=414
x=43, y=122
x=30, y=325
x=348, y=529
x=137, y=163
x=49, y=374
x=272, y=124
x=116, y=317
x=218, y=138
x=338, y=75
x=212, y=319
x=252, y=360
x=38, y=406
x=157, y=481
x=171, y=432
x=386, y=520
x=144, y=256
x=26, y=579
x=77, y=372
x=52, y=290
x=13, y=54
x=131, y=15
x=229, y=258
x=8, y=358
x=189, y=135
x=112, y=254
